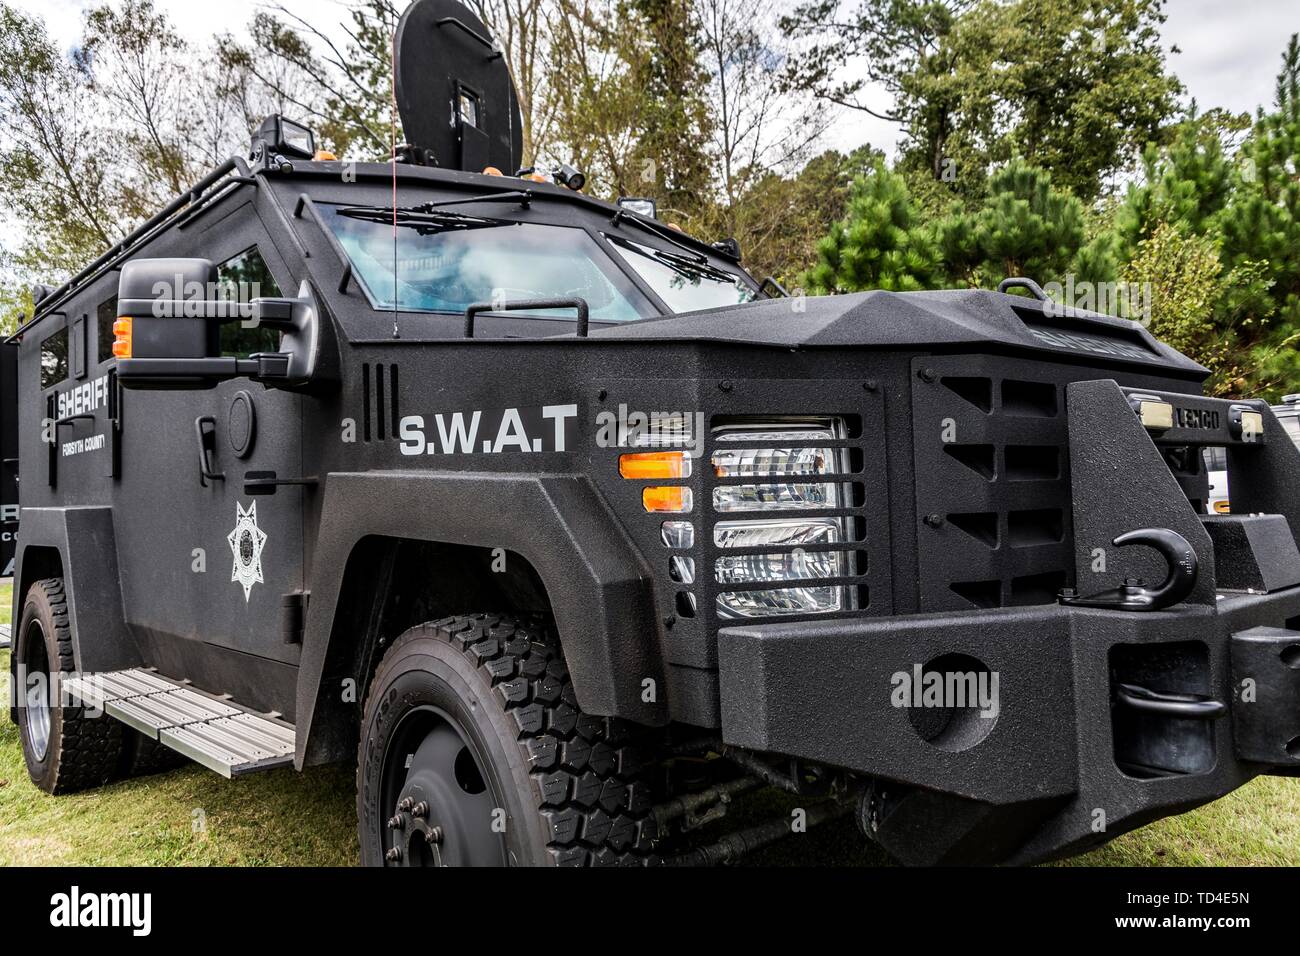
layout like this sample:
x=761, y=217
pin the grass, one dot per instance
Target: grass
x=194, y=817
x=186, y=817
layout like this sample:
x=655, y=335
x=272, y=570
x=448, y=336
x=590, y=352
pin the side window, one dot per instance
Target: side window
x=243, y=278
x=54, y=359
x=105, y=316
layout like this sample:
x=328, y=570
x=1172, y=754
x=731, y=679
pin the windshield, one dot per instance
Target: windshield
x=685, y=282
x=448, y=265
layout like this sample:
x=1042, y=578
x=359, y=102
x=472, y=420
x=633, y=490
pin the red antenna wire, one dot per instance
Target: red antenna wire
x=392, y=130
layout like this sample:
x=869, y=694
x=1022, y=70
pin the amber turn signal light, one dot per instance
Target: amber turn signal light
x=655, y=464
x=667, y=500
x=122, y=338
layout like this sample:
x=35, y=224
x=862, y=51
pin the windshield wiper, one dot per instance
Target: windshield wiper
x=689, y=268
x=623, y=217
x=425, y=221
x=522, y=196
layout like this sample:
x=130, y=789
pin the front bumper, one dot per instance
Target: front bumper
x=1056, y=769
x=1067, y=760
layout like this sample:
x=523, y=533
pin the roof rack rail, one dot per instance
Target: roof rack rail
x=200, y=194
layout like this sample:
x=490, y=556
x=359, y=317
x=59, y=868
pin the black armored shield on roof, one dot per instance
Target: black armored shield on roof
x=457, y=101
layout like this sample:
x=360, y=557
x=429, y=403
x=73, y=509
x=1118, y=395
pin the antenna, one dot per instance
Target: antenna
x=458, y=104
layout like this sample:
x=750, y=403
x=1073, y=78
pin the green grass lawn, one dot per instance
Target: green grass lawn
x=194, y=817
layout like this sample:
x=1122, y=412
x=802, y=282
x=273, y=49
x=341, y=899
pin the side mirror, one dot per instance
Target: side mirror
x=166, y=334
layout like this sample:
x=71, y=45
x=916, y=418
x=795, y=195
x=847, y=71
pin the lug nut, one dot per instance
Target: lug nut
x=434, y=835
x=405, y=805
x=420, y=810
x=397, y=823
x=394, y=855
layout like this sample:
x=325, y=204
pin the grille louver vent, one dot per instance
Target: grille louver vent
x=992, y=485
x=379, y=409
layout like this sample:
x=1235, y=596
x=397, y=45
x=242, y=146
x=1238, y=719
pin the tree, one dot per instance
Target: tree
x=1025, y=226
x=779, y=220
x=1261, y=235
x=54, y=183
x=1084, y=79
x=1185, y=184
x=97, y=140
x=1076, y=87
x=343, y=92
x=900, y=45
x=880, y=243
x=761, y=138
x=674, y=123
x=522, y=28
x=1182, y=274
x=592, y=82
x=756, y=129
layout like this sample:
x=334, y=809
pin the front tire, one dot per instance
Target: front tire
x=473, y=752
x=66, y=749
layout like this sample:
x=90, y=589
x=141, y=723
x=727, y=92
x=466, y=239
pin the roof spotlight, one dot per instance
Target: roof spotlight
x=642, y=207
x=566, y=175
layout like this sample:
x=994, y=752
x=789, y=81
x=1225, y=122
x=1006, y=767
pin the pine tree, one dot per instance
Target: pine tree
x=1024, y=227
x=1261, y=241
x=1185, y=184
x=880, y=244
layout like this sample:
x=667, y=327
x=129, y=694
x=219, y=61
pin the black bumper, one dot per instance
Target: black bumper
x=1063, y=765
x=1073, y=755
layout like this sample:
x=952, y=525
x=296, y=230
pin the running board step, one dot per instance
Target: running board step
x=209, y=730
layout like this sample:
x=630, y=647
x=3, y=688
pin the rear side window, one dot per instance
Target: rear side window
x=54, y=359
x=105, y=316
x=243, y=278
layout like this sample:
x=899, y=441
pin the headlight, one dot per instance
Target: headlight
x=794, y=452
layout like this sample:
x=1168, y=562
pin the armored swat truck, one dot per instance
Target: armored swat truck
x=569, y=531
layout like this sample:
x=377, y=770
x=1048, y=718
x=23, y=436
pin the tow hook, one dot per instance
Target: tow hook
x=1191, y=706
x=1179, y=555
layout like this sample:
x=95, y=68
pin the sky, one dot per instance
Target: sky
x=1230, y=51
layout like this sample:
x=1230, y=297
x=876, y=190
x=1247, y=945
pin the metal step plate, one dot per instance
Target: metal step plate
x=213, y=732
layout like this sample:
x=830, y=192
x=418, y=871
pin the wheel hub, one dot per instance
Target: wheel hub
x=37, y=718
x=443, y=813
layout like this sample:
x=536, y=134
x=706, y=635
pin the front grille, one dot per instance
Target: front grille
x=991, y=453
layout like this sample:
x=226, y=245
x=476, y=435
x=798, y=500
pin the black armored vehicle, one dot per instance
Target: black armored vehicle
x=570, y=532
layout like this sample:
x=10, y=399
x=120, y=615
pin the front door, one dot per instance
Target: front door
x=206, y=568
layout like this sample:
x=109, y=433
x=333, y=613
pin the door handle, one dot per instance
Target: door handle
x=205, y=428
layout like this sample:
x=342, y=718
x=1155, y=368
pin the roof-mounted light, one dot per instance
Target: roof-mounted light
x=642, y=207
x=284, y=139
